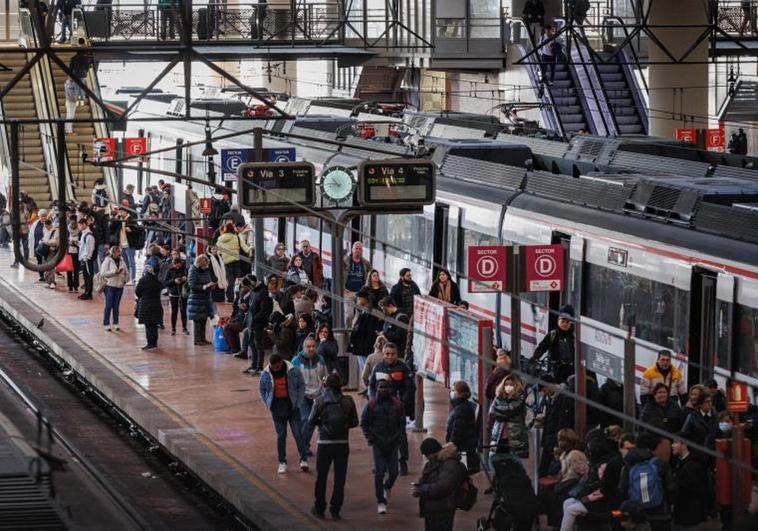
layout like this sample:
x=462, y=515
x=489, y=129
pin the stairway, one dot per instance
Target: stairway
x=381, y=84
x=83, y=174
x=566, y=99
x=19, y=103
x=619, y=95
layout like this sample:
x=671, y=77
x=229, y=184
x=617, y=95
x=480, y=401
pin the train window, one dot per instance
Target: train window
x=746, y=340
x=723, y=334
x=396, y=233
x=660, y=312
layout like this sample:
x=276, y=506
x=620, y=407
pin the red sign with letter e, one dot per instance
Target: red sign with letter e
x=686, y=135
x=487, y=268
x=544, y=267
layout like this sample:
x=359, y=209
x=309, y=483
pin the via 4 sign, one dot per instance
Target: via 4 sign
x=543, y=269
x=487, y=268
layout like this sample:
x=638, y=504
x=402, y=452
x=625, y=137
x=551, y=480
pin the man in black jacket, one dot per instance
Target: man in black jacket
x=363, y=330
x=334, y=414
x=261, y=307
x=694, y=493
x=404, y=291
x=383, y=424
x=394, y=333
x=559, y=346
x=437, y=490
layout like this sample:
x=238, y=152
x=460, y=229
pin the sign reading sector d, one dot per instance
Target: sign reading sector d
x=543, y=267
x=487, y=268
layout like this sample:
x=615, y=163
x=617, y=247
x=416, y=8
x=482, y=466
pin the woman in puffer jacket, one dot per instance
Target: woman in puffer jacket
x=508, y=418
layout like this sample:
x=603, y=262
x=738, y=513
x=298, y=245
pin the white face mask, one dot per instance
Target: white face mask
x=508, y=389
x=453, y=396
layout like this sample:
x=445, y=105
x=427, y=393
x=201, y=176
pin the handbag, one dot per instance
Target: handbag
x=99, y=282
x=66, y=265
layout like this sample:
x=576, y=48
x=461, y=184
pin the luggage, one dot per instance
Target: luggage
x=219, y=341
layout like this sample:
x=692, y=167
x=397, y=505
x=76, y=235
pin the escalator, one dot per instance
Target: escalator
x=621, y=100
x=566, y=100
x=19, y=104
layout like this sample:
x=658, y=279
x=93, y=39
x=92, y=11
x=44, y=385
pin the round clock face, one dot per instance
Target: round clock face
x=337, y=183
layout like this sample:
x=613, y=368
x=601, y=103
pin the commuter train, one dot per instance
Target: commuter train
x=654, y=262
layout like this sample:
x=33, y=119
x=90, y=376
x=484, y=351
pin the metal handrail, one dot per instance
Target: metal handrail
x=598, y=101
x=62, y=248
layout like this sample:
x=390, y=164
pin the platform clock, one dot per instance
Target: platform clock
x=337, y=184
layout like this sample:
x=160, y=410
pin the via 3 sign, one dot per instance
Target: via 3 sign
x=543, y=269
x=487, y=268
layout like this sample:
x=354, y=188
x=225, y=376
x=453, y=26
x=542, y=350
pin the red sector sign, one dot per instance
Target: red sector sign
x=686, y=135
x=487, y=268
x=737, y=397
x=205, y=205
x=104, y=149
x=544, y=267
x=135, y=146
x=715, y=139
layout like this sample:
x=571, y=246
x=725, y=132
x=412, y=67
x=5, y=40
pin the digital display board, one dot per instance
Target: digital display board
x=267, y=186
x=397, y=181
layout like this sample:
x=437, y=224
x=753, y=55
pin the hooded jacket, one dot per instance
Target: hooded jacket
x=334, y=414
x=295, y=385
x=461, y=425
x=509, y=414
x=261, y=306
x=383, y=423
x=439, y=483
x=314, y=372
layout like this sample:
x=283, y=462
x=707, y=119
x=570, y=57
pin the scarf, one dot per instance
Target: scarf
x=219, y=271
x=444, y=291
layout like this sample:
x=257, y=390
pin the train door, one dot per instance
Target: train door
x=556, y=299
x=702, y=351
x=281, y=232
x=440, y=248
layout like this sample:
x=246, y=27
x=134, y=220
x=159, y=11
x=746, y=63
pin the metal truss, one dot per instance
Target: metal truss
x=575, y=32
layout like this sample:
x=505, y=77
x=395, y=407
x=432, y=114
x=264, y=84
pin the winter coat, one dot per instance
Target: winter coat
x=229, y=245
x=668, y=417
x=301, y=335
x=261, y=306
x=700, y=428
x=674, y=380
x=314, y=372
x=403, y=296
x=198, y=302
x=377, y=295
x=398, y=375
x=395, y=333
x=347, y=263
x=612, y=396
x=363, y=335
x=149, y=309
x=439, y=483
x=559, y=346
x=510, y=414
x=284, y=339
x=329, y=350
x=461, y=425
x=317, y=269
x=133, y=237
x=113, y=277
x=174, y=288
x=278, y=263
x=295, y=386
x=383, y=424
x=296, y=275
x=694, y=496
x=455, y=292
x=333, y=428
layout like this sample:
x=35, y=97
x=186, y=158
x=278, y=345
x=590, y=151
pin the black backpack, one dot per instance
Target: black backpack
x=467, y=494
x=335, y=418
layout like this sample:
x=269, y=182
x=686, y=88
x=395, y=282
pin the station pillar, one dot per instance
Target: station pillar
x=678, y=92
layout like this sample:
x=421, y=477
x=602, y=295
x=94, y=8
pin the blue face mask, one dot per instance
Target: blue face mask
x=725, y=427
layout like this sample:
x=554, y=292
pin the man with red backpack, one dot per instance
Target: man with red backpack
x=383, y=424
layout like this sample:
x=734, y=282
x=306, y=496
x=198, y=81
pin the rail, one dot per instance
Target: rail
x=736, y=16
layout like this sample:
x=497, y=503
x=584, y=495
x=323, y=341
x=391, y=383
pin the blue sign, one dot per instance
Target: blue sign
x=232, y=158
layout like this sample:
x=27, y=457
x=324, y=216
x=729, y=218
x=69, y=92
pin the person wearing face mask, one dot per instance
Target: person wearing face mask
x=383, y=425
x=508, y=416
x=461, y=425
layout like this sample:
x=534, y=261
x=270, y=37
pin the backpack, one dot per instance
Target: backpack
x=99, y=282
x=165, y=267
x=465, y=499
x=334, y=417
x=646, y=484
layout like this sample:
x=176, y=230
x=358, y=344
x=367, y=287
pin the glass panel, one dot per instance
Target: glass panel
x=485, y=19
x=451, y=28
x=723, y=333
x=746, y=342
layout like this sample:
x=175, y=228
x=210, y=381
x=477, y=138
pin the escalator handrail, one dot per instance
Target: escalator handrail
x=595, y=95
x=630, y=45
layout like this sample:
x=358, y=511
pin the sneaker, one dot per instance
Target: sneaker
x=173, y=332
x=304, y=466
x=282, y=468
x=107, y=328
x=315, y=512
x=241, y=355
x=186, y=332
x=14, y=265
x=51, y=285
x=150, y=347
x=335, y=515
x=116, y=328
x=381, y=508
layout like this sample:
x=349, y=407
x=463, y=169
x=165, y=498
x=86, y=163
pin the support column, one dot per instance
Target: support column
x=677, y=89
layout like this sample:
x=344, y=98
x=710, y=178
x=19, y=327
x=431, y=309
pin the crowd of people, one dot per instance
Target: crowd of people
x=281, y=324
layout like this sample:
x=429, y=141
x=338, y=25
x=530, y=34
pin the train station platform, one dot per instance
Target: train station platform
x=206, y=413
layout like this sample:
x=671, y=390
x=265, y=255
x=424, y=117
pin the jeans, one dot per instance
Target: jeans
x=131, y=264
x=232, y=274
x=70, y=114
x=257, y=348
x=72, y=277
x=151, y=334
x=439, y=522
x=404, y=448
x=305, y=430
x=65, y=25
x=178, y=307
x=326, y=454
x=548, y=61
x=384, y=464
x=112, y=302
x=572, y=509
x=280, y=425
x=24, y=242
x=200, y=330
x=168, y=18
x=232, y=335
x=88, y=267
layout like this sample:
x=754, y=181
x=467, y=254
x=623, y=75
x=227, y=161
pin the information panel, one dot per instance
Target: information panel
x=396, y=181
x=465, y=348
x=429, y=331
x=266, y=186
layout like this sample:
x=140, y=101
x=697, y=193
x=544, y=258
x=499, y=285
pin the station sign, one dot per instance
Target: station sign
x=205, y=205
x=543, y=267
x=715, y=139
x=276, y=186
x=232, y=159
x=396, y=182
x=686, y=135
x=104, y=149
x=136, y=146
x=737, y=398
x=487, y=268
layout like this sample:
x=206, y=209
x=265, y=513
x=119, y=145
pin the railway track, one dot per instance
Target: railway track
x=114, y=477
